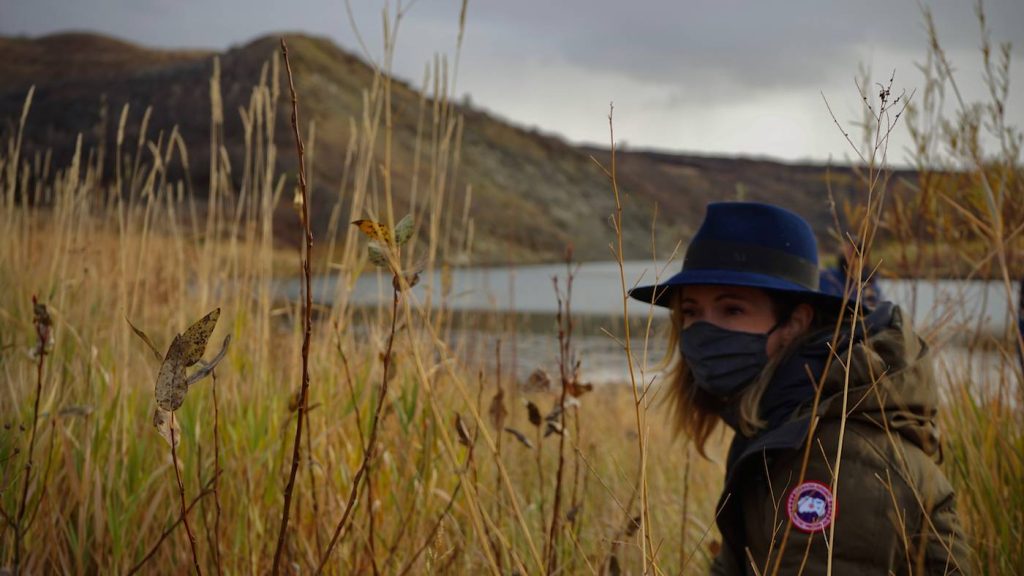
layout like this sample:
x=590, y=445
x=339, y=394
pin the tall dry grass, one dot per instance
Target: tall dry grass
x=416, y=455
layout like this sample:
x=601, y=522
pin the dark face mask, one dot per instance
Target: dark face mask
x=723, y=361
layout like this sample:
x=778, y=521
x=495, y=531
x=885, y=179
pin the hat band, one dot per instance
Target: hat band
x=717, y=255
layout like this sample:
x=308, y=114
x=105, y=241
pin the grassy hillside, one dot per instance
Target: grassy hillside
x=532, y=194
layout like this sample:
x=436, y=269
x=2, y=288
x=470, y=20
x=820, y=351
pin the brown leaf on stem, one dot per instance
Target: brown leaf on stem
x=633, y=526
x=171, y=385
x=185, y=350
x=497, y=410
x=41, y=316
x=573, y=512
x=293, y=401
x=534, y=413
x=375, y=230
x=576, y=389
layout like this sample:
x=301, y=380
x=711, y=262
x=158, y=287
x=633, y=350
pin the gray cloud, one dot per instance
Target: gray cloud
x=671, y=67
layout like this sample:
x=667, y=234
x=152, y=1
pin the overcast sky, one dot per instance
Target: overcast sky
x=699, y=76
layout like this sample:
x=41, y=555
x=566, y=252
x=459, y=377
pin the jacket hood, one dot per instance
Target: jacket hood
x=891, y=379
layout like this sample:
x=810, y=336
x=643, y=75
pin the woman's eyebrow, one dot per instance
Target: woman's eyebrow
x=730, y=296
x=688, y=301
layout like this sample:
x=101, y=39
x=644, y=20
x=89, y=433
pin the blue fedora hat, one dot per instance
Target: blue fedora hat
x=747, y=244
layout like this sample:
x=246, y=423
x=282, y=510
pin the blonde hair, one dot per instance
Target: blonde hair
x=696, y=412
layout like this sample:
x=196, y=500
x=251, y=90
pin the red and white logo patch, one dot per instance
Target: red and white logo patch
x=811, y=506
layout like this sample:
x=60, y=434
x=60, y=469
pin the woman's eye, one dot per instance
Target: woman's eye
x=688, y=313
x=734, y=310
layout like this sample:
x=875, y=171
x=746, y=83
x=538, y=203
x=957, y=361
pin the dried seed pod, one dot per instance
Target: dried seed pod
x=460, y=428
x=553, y=427
x=520, y=436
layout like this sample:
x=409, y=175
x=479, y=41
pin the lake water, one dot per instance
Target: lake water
x=943, y=309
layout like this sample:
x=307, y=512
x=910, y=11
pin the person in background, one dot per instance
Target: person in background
x=751, y=342
x=834, y=280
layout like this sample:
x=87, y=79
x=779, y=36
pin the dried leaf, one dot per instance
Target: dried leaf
x=378, y=254
x=576, y=389
x=460, y=428
x=403, y=230
x=553, y=427
x=613, y=566
x=208, y=367
x=146, y=339
x=194, y=339
x=497, y=409
x=293, y=401
x=554, y=415
x=538, y=381
x=573, y=513
x=41, y=316
x=76, y=410
x=411, y=279
x=171, y=384
x=375, y=230
x=520, y=436
x=164, y=421
x=534, y=413
x=633, y=526
x=186, y=350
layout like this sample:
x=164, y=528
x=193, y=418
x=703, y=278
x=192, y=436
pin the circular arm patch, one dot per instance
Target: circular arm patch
x=811, y=506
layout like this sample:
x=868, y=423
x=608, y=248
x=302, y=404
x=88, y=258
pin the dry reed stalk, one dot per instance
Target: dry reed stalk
x=307, y=318
x=646, y=537
x=566, y=363
x=181, y=494
x=43, y=325
x=216, y=473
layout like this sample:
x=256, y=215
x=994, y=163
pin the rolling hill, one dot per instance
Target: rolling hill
x=533, y=193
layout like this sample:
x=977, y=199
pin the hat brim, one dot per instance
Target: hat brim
x=661, y=294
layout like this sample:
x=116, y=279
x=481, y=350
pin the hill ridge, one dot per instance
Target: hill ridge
x=533, y=193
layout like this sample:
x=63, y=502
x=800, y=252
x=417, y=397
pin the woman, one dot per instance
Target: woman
x=754, y=334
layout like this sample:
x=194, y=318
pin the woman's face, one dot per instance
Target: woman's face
x=737, y=308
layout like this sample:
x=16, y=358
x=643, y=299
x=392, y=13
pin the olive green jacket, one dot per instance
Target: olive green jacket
x=893, y=508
